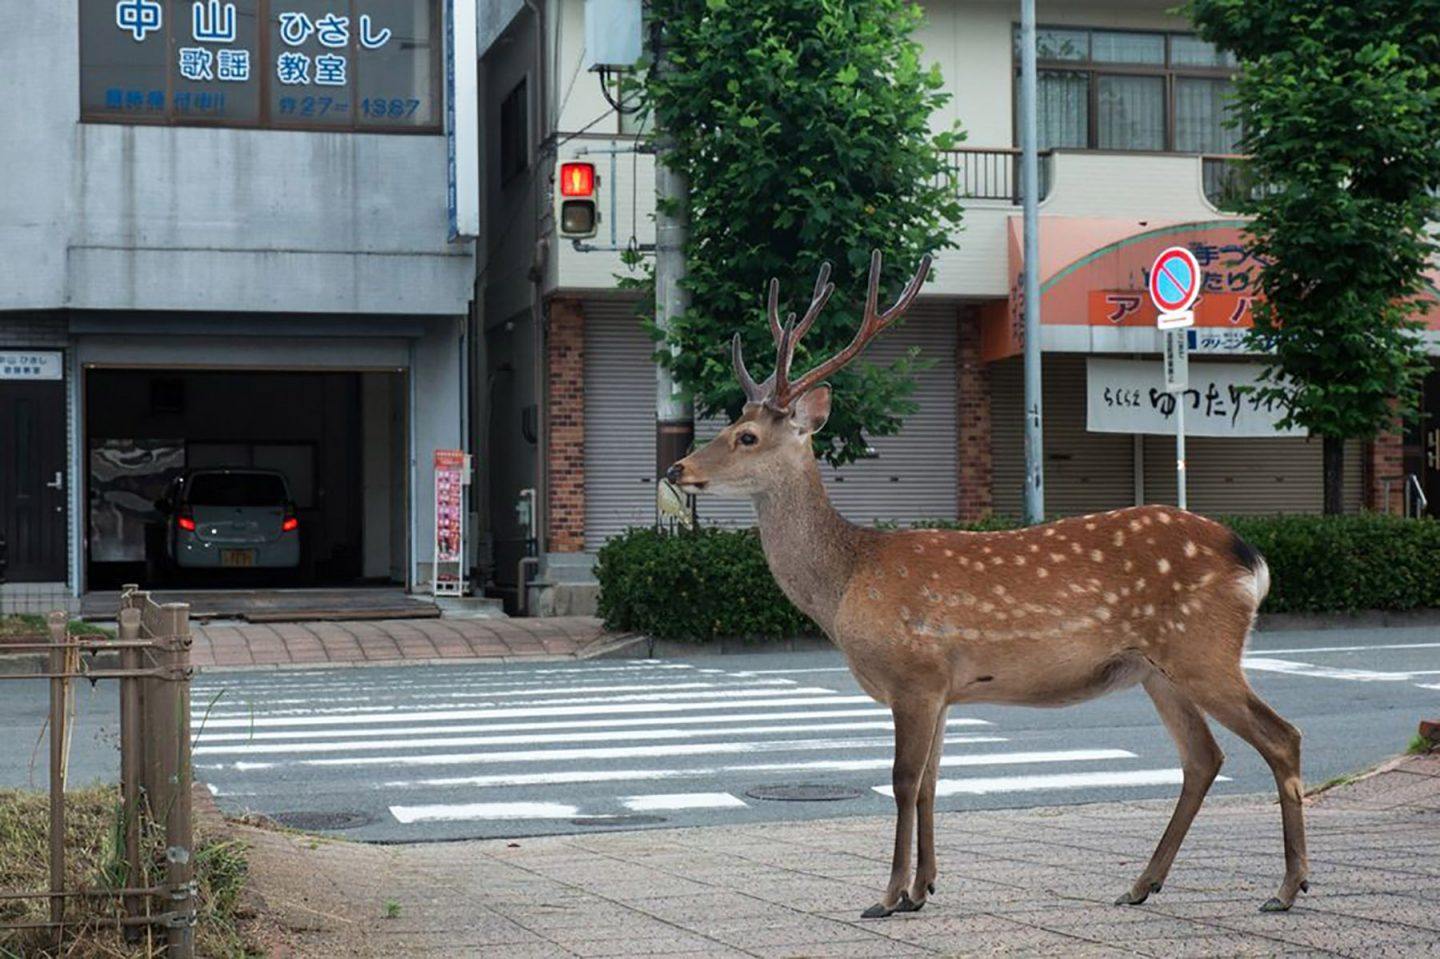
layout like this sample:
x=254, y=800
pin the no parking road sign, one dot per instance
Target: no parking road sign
x=1174, y=286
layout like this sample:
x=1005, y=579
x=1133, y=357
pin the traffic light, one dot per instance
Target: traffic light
x=579, y=213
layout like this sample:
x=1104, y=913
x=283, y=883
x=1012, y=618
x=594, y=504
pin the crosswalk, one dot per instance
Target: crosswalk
x=470, y=751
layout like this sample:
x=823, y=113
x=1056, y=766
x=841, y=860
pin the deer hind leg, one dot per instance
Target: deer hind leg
x=925, y=865
x=1235, y=704
x=1200, y=757
x=914, y=729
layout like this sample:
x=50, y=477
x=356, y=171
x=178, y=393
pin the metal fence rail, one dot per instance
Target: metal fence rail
x=992, y=173
x=155, y=772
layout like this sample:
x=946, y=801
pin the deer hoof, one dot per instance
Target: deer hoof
x=1137, y=895
x=877, y=911
x=930, y=887
x=1275, y=904
x=906, y=904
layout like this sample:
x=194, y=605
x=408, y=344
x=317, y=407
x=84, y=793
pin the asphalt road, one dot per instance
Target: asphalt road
x=467, y=751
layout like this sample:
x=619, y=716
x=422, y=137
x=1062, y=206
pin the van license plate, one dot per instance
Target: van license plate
x=237, y=557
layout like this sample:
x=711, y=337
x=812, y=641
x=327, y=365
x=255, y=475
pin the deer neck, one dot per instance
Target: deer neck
x=810, y=547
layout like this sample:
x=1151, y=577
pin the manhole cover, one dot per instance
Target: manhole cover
x=637, y=820
x=804, y=792
x=311, y=820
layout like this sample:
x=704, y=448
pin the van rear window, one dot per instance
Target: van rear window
x=237, y=489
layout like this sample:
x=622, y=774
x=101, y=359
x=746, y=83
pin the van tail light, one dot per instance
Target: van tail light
x=185, y=520
x=289, y=524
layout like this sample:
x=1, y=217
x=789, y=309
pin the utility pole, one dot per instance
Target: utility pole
x=674, y=411
x=1030, y=194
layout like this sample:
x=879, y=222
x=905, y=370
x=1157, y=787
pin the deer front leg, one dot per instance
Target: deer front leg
x=925, y=864
x=914, y=727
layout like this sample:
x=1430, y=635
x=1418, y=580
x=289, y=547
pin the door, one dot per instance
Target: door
x=1430, y=442
x=32, y=479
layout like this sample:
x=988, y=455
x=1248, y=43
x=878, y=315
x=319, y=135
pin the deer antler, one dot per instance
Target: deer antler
x=777, y=391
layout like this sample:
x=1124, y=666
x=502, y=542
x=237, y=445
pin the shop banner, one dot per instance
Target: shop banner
x=449, y=505
x=31, y=365
x=1128, y=396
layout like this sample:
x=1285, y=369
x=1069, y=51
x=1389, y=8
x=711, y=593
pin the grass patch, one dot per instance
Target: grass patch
x=1419, y=745
x=392, y=909
x=93, y=836
x=27, y=626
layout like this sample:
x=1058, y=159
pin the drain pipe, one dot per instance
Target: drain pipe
x=525, y=509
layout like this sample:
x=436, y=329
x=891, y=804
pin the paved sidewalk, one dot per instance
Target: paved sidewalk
x=1014, y=882
x=246, y=645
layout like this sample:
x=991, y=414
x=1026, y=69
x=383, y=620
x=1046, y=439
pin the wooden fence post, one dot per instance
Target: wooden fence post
x=179, y=833
x=58, y=687
x=131, y=757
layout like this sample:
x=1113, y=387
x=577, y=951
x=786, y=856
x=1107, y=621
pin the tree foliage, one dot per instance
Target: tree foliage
x=1339, y=107
x=804, y=129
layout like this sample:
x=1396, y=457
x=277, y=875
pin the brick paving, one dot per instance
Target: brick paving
x=1025, y=882
x=237, y=644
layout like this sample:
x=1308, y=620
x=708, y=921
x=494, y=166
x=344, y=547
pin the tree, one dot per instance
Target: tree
x=804, y=130
x=1339, y=110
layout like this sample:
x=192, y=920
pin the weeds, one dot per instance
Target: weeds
x=94, y=847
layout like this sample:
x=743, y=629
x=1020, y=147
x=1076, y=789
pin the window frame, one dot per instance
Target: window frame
x=1094, y=69
x=264, y=56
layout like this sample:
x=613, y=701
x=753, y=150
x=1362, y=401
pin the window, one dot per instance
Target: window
x=514, y=134
x=1131, y=90
x=309, y=64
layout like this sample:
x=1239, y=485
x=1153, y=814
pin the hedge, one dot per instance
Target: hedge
x=712, y=583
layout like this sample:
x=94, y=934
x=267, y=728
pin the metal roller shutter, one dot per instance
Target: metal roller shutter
x=1281, y=474
x=619, y=422
x=1084, y=472
x=912, y=478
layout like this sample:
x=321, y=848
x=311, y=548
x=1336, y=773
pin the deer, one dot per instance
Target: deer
x=1046, y=615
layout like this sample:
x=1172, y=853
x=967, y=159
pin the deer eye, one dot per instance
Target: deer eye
x=748, y=439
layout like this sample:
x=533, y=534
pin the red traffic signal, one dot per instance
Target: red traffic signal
x=577, y=179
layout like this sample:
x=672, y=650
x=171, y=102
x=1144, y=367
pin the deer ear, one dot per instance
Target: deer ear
x=811, y=410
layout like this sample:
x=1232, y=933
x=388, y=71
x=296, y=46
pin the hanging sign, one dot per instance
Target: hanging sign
x=1174, y=285
x=452, y=474
x=1125, y=396
x=1177, y=361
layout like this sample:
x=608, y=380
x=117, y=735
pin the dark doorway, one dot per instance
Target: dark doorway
x=32, y=479
x=329, y=434
x=1427, y=443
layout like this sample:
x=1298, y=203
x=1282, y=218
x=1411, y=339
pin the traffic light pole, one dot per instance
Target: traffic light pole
x=674, y=411
x=1030, y=195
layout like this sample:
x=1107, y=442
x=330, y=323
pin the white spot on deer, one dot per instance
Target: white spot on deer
x=1145, y=521
x=1089, y=525
x=1180, y=627
x=1148, y=609
x=1134, y=526
x=1102, y=613
x=904, y=614
x=1163, y=517
x=1124, y=591
x=1184, y=609
x=1049, y=531
x=970, y=634
x=902, y=572
x=1190, y=548
x=996, y=560
x=1018, y=560
x=1176, y=585
x=986, y=607
x=1205, y=579
x=1097, y=556
x=935, y=575
x=1111, y=598
x=1041, y=572
x=873, y=593
x=954, y=599
x=1034, y=547
x=919, y=548
x=998, y=590
x=1163, y=564
x=949, y=553
x=986, y=550
x=1077, y=589
x=1057, y=557
x=1119, y=538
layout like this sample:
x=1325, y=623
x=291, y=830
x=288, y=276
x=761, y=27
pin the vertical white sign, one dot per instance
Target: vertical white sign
x=462, y=118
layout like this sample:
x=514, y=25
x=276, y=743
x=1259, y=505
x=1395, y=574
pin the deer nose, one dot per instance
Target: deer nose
x=674, y=473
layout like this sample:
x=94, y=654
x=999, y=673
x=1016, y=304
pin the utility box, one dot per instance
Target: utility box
x=612, y=34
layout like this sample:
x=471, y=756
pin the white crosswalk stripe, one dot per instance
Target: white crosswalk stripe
x=473, y=751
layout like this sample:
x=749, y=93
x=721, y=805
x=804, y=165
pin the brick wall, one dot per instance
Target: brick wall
x=1384, y=459
x=973, y=418
x=34, y=329
x=565, y=414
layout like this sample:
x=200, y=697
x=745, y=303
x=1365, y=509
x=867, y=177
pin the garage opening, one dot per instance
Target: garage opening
x=329, y=448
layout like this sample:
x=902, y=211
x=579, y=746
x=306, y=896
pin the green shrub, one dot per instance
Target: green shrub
x=714, y=583
x=1345, y=563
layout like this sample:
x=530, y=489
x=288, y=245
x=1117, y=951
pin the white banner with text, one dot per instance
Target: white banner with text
x=1128, y=396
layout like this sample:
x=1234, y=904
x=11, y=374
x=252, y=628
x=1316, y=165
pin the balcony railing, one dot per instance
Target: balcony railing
x=993, y=173
x=1228, y=181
